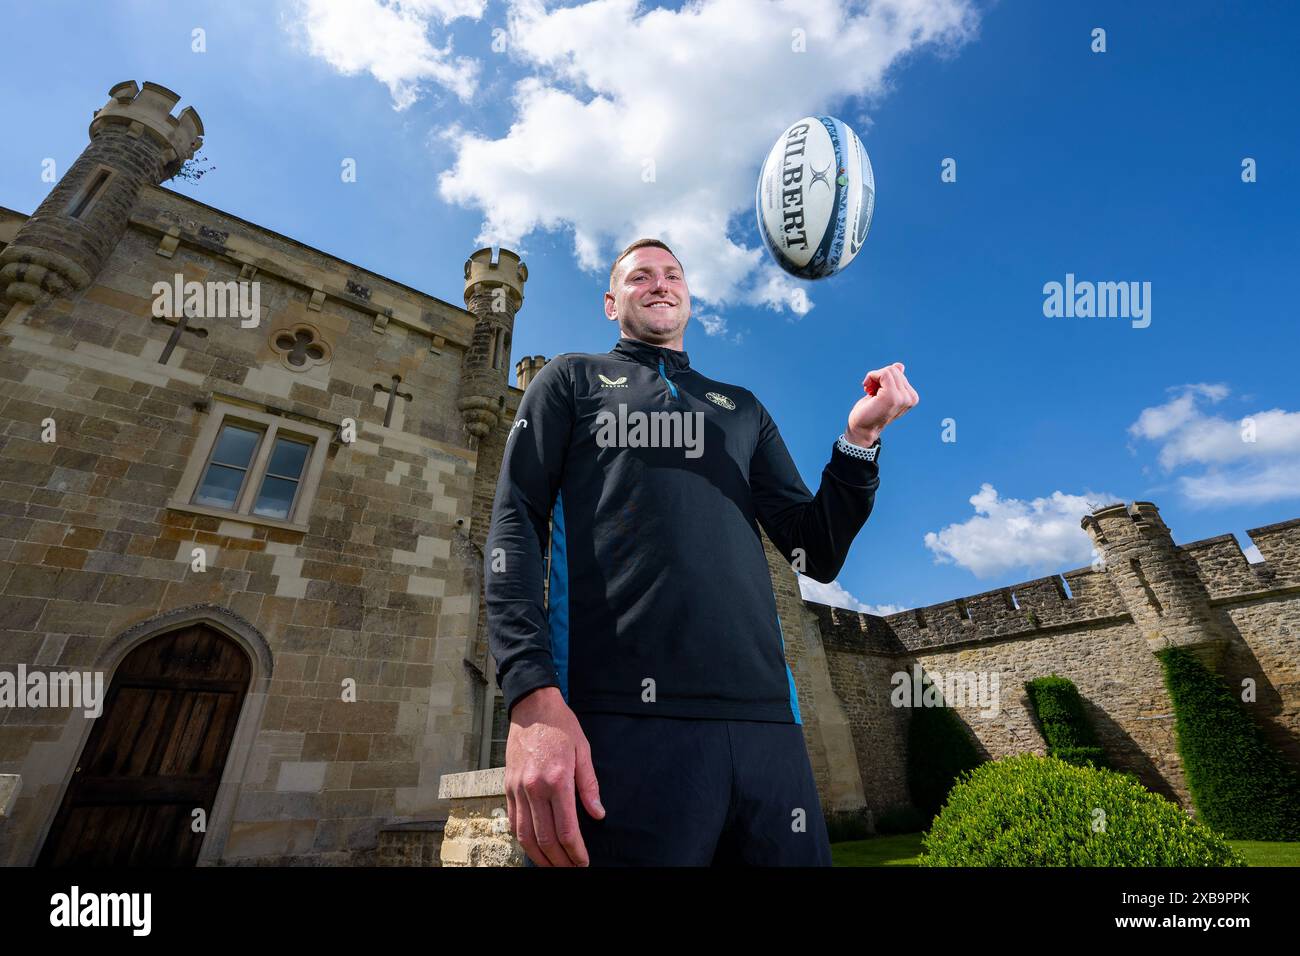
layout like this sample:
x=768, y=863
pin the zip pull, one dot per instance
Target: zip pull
x=671, y=387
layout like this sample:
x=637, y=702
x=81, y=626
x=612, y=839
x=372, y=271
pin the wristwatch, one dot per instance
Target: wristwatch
x=857, y=451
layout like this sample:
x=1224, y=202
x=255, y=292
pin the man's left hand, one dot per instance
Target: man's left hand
x=889, y=395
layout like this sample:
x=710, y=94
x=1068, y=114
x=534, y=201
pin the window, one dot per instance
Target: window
x=90, y=192
x=498, y=347
x=283, y=474
x=228, y=467
x=254, y=466
x=500, y=732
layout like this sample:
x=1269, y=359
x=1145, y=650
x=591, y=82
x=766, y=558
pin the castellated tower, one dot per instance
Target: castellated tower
x=494, y=292
x=134, y=141
x=526, y=369
x=1159, y=586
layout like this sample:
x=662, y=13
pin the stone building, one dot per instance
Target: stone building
x=248, y=484
x=258, y=509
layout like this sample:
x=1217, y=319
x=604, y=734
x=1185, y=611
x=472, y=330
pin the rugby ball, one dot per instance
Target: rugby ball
x=815, y=197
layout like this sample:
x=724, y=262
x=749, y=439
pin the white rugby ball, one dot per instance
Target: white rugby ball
x=815, y=196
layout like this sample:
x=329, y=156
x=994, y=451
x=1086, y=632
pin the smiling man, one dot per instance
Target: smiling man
x=653, y=717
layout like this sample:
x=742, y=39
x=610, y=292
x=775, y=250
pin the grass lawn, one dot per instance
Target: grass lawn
x=905, y=849
x=899, y=850
x=1258, y=853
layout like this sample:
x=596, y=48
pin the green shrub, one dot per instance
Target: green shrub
x=1081, y=756
x=1066, y=728
x=1240, y=784
x=901, y=820
x=939, y=749
x=1041, y=811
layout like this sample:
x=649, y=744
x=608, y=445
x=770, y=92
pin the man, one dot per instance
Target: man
x=653, y=679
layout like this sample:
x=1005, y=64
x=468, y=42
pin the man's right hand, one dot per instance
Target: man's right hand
x=547, y=756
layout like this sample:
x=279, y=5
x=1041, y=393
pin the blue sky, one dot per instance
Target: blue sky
x=1117, y=166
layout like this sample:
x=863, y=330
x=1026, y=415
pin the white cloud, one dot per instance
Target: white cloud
x=778, y=290
x=389, y=39
x=1252, y=554
x=1010, y=533
x=1276, y=481
x=716, y=325
x=883, y=610
x=1160, y=420
x=834, y=595
x=713, y=324
x=654, y=122
x=1251, y=459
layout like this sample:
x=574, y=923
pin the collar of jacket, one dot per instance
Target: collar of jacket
x=648, y=354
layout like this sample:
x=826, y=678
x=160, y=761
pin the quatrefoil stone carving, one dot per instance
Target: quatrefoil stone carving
x=300, y=347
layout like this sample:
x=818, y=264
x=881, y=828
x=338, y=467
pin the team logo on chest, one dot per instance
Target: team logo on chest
x=721, y=400
x=620, y=382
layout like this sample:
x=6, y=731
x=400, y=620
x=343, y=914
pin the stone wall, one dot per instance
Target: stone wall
x=411, y=844
x=381, y=587
x=1079, y=626
x=478, y=830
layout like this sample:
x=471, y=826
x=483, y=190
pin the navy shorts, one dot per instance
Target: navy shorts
x=687, y=792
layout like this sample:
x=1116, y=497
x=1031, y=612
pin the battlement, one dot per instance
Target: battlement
x=1083, y=596
x=149, y=108
x=526, y=368
x=507, y=270
x=854, y=631
x=1117, y=522
x=1222, y=567
x=1076, y=597
x=1279, y=544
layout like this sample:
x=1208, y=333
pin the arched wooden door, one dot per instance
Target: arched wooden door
x=154, y=756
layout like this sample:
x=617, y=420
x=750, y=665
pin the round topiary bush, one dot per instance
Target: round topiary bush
x=1041, y=811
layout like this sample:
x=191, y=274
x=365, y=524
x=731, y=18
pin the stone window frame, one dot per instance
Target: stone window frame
x=495, y=706
x=90, y=192
x=271, y=426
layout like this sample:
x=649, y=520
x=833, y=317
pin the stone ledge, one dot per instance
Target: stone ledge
x=477, y=831
x=474, y=783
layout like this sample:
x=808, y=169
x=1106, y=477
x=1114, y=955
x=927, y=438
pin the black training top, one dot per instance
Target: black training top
x=660, y=598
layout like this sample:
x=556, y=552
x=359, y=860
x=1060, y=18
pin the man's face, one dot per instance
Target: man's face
x=649, y=299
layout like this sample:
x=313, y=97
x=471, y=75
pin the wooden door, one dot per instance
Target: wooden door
x=154, y=756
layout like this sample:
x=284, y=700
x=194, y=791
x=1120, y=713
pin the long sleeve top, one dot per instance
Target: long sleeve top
x=650, y=481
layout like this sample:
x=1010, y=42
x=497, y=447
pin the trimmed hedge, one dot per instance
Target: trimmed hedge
x=1066, y=728
x=939, y=750
x=1239, y=782
x=1041, y=811
x=1082, y=756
